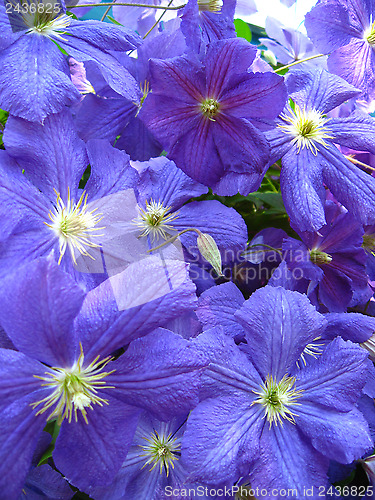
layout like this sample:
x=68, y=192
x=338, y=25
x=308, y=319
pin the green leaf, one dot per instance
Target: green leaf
x=113, y=20
x=274, y=200
x=242, y=29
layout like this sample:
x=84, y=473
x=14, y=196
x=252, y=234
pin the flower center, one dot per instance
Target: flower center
x=369, y=243
x=161, y=450
x=369, y=34
x=277, y=398
x=307, y=127
x=74, y=389
x=319, y=258
x=155, y=220
x=210, y=5
x=74, y=225
x=45, y=19
x=210, y=108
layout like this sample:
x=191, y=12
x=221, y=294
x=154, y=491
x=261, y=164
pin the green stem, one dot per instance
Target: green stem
x=298, y=62
x=125, y=4
x=271, y=184
x=106, y=12
x=171, y=240
x=266, y=246
x=160, y=18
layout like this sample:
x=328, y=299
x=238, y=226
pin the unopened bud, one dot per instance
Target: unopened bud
x=209, y=251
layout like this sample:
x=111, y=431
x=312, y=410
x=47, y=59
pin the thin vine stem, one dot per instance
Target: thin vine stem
x=126, y=4
x=298, y=62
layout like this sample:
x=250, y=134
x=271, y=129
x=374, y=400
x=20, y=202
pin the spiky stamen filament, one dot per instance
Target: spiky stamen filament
x=162, y=450
x=277, y=398
x=210, y=108
x=145, y=89
x=314, y=349
x=74, y=389
x=155, y=220
x=46, y=19
x=210, y=5
x=74, y=225
x=369, y=345
x=320, y=258
x=307, y=127
x=369, y=33
x=368, y=243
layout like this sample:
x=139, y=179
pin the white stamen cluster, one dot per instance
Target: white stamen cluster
x=314, y=349
x=307, y=127
x=162, y=450
x=75, y=388
x=74, y=225
x=45, y=18
x=210, y=5
x=277, y=398
x=155, y=220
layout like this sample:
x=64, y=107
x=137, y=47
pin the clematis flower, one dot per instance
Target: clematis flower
x=44, y=208
x=63, y=370
x=263, y=415
x=35, y=93
x=305, y=140
x=207, y=117
x=346, y=31
x=333, y=260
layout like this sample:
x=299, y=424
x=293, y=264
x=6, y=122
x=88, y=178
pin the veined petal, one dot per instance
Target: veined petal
x=350, y=326
x=302, y=188
x=336, y=378
x=222, y=438
x=216, y=307
x=166, y=380
x=53, y=156
x=355, y=132
x=20, y=430
x=34, y=81
x=278, y=324
x=42, y=299
x=349, y=184
x=283, y=452
x=91, y=454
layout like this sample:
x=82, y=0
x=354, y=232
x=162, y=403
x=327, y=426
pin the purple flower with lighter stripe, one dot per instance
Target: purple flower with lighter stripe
x=208, y=116
x=35, y=79
x=305, y=139
x=346, y=31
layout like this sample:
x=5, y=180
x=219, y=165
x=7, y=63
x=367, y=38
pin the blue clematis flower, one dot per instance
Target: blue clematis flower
x=305, y=139
x=263, y=415
x=63, y=370
x=34, y=81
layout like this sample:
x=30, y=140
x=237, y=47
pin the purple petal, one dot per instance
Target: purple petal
x=142, y=298
x=20, y=429
x=48, y=482
x=349, y=184
x=355, y=63
x=224, y=59
x=42, y=299
x=335, y=379
x=161, y=180
x=221, y=438
x=216, y=307
x=317, y=89
x=302, y=188
x=110, y=170
x=278, y=324
x=335, y=290
x=288, y=462
x=329, y=27
x=34, y=81
x=53, y=156
x=166, y=381
x=91, y=454
x=355, y=132
x=350, y=326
